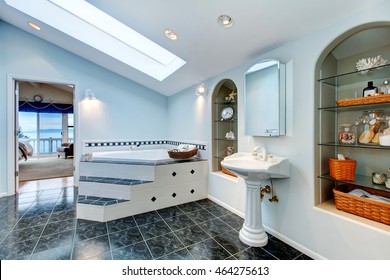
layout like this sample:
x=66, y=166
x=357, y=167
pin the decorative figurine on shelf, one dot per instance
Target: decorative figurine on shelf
x=230, y=150
x=230, y=135
x=232, y=96
x=370, y=62
x=227, y=114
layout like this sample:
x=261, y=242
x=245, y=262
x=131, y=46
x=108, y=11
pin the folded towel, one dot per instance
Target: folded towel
x=362, y=193
x=185, y=147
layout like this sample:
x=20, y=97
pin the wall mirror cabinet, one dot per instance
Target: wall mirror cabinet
x=265, y=99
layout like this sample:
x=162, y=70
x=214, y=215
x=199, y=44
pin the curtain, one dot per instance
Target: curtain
x=39, y=107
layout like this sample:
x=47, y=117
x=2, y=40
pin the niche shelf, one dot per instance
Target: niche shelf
x=221, y=126
x=370, y=157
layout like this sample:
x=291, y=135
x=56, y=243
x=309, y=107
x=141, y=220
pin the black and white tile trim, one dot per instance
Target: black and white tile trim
x=146, y=162
x=140, y=143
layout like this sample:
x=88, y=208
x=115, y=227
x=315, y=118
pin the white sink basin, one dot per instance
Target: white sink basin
x=253, y=171
x=247, y=167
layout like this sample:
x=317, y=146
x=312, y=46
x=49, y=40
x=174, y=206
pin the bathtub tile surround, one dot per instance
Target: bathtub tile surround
x=164, y=190
x=42, y=225
x=109, y=144
x=90, y=146
x=140, y=184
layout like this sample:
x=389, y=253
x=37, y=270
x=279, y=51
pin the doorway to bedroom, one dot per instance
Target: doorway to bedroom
x=45, y=135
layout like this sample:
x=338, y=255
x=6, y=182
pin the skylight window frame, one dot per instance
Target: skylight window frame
x=132, y=49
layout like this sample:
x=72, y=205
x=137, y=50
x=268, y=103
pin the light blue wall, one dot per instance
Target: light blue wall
x=124, y=109
x=294, y=219
x=3, y=118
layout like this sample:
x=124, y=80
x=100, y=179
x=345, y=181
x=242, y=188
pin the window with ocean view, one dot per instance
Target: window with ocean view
x=46, y=131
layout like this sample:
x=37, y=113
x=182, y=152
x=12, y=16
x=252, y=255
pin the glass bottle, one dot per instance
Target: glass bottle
x=384, y=134
x=346, y=136
x=385, y=88
x=370, y=89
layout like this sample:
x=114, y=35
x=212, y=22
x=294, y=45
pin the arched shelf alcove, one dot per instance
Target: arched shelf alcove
x=225, y=121
x=337, y=78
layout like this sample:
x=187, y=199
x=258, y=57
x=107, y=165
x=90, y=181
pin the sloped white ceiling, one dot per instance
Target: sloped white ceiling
x=259, y=25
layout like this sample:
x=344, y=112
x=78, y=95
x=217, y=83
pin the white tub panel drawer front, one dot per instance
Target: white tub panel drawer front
x=102, y=214
x=104, y=190
x=158, y=197
x=183, y=172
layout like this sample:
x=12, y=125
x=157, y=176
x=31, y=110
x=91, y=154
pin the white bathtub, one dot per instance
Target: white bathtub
x=134, y=155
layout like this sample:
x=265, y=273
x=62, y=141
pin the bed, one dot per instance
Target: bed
x=25, y=150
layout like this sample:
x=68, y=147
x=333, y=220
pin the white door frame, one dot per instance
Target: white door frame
x=11, y=179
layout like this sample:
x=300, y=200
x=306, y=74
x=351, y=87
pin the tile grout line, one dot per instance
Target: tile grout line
x=197, y=224
x=39, y=238
x=18, y=220
x=109, y=241
x=184, y=247
x=143, y=238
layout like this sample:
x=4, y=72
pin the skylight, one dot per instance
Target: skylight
x=86, y=23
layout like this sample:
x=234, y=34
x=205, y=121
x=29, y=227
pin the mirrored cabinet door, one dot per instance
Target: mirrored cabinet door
x=265, y=99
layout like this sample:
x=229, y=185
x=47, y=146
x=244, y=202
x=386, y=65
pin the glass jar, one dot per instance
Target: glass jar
x=369, y=124
x=346, y=136
x=385, y=87
x=384, y=134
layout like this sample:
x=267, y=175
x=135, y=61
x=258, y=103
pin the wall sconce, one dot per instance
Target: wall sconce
x=89, y=95
x=201, y=89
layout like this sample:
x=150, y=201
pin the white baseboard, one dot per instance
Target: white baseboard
x=294, y=244
x=235, y=211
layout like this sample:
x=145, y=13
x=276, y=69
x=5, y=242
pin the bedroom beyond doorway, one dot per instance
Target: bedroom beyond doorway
x=45, y=123
x=45, y=168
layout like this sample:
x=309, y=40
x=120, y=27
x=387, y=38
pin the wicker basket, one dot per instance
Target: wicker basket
x=382, y=98
x=182, y=155
x=342, y=169
x=364, y=207
x=224, y=170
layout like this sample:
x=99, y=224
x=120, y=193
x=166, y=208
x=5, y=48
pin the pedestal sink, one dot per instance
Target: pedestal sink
x=253, y=171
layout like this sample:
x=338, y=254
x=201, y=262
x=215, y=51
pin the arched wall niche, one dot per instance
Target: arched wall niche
x=224, y=99
x=339, y=57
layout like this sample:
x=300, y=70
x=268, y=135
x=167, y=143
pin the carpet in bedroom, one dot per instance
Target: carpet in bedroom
x=45, y=168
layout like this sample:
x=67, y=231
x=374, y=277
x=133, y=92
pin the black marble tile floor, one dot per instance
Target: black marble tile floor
x=42, y=225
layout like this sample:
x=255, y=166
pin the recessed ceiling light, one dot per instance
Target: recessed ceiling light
x=225, y=21
x=170, y=34
x=33, y=25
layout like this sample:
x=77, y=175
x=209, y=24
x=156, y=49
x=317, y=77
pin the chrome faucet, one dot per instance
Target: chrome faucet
x=262, y=155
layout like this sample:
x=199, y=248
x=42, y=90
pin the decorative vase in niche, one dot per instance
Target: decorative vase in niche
x=230, y=150
x=346, y=136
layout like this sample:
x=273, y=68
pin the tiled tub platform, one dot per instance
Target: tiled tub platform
x=110, y=190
